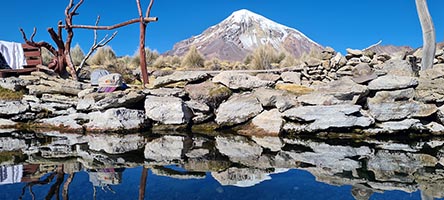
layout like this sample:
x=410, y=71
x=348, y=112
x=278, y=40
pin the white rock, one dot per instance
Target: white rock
x=234, y=80
x=237, y=109
x=167, y=110
x=270, y=121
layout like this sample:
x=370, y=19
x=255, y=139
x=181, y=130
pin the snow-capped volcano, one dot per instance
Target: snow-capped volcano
x=242, y=32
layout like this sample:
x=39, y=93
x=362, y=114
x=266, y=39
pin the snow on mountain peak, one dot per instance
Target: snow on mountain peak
x=247, y=17
x=241, y=33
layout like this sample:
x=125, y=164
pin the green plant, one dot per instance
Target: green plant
x=77, y=55
x=103, y=56
x=193, y=59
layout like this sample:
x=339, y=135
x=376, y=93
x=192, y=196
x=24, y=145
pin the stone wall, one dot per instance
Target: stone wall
x=361, y=92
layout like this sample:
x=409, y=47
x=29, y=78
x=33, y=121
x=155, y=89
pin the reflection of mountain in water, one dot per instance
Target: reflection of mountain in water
x=371, y=166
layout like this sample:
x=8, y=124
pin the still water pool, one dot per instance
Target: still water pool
x=293, y=184
x=190, y=166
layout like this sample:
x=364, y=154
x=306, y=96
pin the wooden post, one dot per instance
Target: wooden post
x=142, y=186
x=428, y=35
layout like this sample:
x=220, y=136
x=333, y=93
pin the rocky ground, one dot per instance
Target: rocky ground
x=361, y=92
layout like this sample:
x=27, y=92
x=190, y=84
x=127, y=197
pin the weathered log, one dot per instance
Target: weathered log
x=428, y=34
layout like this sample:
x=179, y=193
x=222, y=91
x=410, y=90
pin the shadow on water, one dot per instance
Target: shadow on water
x=53, y=165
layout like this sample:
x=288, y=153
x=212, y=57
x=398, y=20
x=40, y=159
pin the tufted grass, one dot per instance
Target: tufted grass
x=10, y=95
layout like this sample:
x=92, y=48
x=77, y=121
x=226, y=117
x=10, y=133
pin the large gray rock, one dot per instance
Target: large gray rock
x=344, y=89
x=235, y=80
x=70, y=122
x=430, y=90
x=178, y=76
x=268, y=77
x=392, y=96
x=238, y=148
x=166, y=148
x=393, y=126
x=8, y=108
x=61, y=99
x=52, y=108
x=116, y=119
x=12, y=83
x=237, y=109
x=117, y=99
x=398, y=67
x=392, y=82
x=167, y=110
x=398, y=110
x=212, y=94
x=53, y=85
x=269, y=121
x=201, y=112
x=115, y=143
x=317, y=98
x=325, y=117
x=291, y=77
x=166, y=92
x=354, y=52
x=276, y=98
x=435, y=128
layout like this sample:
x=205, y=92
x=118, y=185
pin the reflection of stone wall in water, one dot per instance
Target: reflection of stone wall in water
x=105, y=177
x=372, y=166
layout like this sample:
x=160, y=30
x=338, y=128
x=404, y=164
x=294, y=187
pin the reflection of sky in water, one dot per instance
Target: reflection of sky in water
x=294, y=184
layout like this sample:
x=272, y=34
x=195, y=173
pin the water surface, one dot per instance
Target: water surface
x=52, y=165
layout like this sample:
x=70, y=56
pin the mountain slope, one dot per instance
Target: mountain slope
x=243, y=31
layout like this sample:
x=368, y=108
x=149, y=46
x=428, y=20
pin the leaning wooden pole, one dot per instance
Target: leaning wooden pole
x=428, y=34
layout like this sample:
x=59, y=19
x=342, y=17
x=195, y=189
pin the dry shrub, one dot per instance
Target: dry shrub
x=312, y=54
x=163, y=62
x=289, y=61
x=213, y=64
x=151, y=56
x=77, y=55
x=264, y=56
x=103, y=56
x=47, y=56
x=10, y=95
x=193, y=59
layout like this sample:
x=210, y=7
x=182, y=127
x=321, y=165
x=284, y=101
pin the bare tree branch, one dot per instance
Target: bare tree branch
x=139, y=8
x=38, y=44
x=132, y=21
x=96, y=45
x=148, y=11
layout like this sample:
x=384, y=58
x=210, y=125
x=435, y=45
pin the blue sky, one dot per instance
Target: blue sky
x=339, y=24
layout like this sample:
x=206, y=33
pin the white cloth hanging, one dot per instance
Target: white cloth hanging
x=13, y=53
